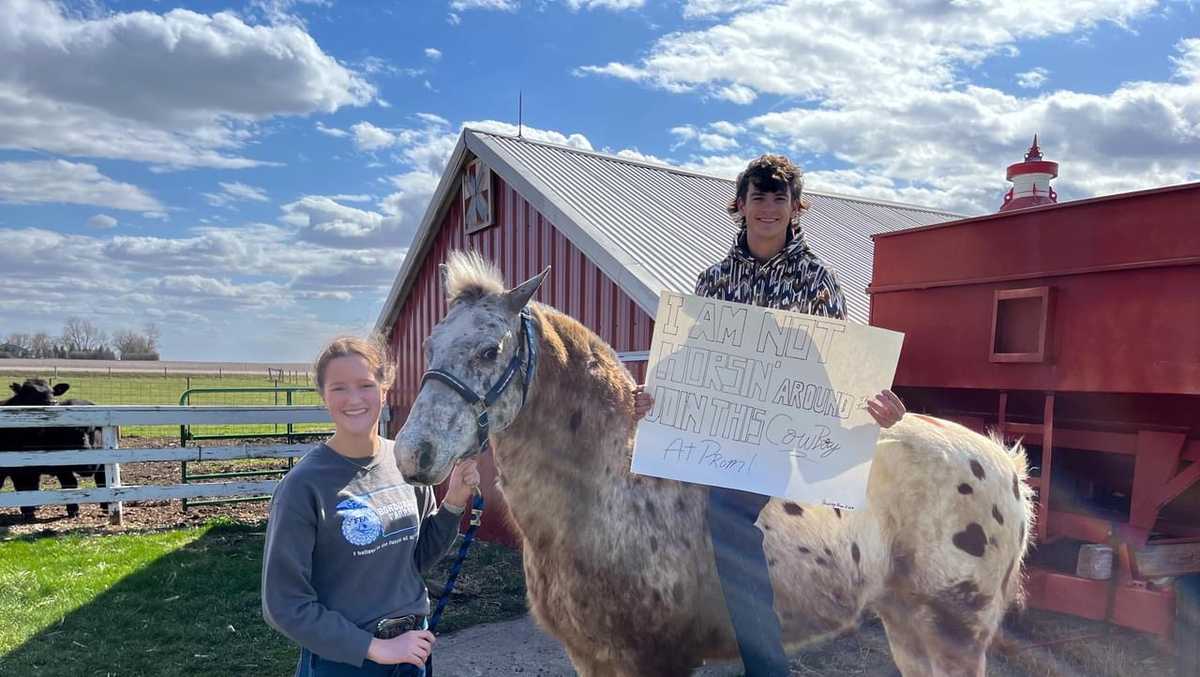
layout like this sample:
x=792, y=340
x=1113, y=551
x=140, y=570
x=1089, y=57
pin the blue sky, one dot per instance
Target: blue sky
x=248, y=175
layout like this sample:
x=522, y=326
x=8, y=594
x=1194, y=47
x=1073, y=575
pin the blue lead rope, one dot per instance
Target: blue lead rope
x=476, y=518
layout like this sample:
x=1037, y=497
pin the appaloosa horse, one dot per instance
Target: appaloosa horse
x=619, y=567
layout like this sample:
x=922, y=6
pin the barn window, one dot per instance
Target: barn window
x=1020, y=324
x=477, y=197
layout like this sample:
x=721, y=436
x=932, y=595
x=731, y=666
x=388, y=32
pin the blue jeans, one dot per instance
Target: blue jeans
x=312, y=665
x=745, y=579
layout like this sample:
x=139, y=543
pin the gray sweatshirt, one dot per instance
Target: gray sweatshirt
x=347, y=542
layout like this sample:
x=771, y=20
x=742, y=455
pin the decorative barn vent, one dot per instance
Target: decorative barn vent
x=477, y=197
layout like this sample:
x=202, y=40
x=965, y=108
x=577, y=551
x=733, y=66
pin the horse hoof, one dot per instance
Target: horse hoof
x=73, y=511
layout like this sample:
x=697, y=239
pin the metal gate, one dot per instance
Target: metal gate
x=186, y=435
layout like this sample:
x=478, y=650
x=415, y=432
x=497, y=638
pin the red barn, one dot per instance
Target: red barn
x=1075, y=326
x=615, y=231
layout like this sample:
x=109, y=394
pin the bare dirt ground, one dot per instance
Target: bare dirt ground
x=1035, y=644
x=1032, y=643
x=138, y=515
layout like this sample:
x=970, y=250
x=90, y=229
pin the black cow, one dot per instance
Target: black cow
x=35, y=392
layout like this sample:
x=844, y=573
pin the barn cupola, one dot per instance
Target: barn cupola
x=1031, y=181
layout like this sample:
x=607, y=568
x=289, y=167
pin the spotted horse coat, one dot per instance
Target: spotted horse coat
x=619, y=567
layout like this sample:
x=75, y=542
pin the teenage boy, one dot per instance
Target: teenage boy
x=770, y=265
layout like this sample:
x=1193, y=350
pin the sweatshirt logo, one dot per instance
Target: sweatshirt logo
x=360, y=523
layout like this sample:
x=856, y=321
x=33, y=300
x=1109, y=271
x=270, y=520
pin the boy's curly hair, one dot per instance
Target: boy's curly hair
x=773, y=173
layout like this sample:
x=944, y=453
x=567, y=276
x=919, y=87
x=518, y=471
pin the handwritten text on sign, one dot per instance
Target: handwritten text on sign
x=763, y=400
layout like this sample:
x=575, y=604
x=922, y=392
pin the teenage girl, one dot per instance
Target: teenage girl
x=348, y=538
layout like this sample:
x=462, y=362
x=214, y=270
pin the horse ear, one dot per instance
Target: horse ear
x=16, y=387
x=61, y=388
x=517, y=297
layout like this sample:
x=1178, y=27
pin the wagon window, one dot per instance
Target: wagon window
x=1020, y=324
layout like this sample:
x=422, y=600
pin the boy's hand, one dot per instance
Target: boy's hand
x=643, y=402
x=886, y=408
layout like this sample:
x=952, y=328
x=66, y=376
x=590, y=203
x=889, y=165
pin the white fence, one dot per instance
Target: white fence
x=108, y=419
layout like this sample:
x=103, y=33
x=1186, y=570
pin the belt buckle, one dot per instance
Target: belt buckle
x=394, y=627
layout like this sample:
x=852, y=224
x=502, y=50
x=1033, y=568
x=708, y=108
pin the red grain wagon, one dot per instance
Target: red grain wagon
x=1075, y=327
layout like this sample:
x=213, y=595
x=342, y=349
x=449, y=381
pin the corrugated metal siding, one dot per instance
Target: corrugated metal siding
x=522, y=243
x=673, y=222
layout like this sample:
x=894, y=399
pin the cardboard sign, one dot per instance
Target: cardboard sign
x=763, y=400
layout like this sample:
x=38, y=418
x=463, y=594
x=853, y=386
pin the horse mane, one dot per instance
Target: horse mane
x=469, y=276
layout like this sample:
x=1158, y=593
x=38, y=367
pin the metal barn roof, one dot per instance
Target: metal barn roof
x=651, y=227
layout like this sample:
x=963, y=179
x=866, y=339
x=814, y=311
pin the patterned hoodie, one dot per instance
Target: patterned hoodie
x=793, y=279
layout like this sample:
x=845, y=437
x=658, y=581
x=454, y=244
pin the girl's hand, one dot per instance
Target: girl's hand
x=886, y=408
x=413, y=647
x=643, y=402
x=463, y=480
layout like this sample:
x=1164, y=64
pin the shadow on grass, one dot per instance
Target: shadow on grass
x=194, y=610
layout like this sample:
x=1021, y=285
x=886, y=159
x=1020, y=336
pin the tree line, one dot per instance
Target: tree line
x=81, y=339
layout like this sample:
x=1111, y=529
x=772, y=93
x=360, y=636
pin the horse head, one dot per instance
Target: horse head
x=480, y=360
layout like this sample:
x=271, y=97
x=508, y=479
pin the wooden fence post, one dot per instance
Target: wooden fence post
x=112, y=475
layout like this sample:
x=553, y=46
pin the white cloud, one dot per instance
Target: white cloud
x=236, y=192
x=1139, y=136
x=618, y=70
x=725, y=127
x=502, y=5
x=433, y=54
x=707, y=140
x=322, y=219
x=422, y=152
x=736, y=93
x=332, y=131
x=695, y=9
x=406, y=205
x=368, y=137
x=614, y=5
x=201, y=287
x=879, y=101
x=281, y=11
x=575, y=140
x=39, y=124
x=179, y=89
x=195, y=286
x=638, y=156
x=453, y=19
x=59, y=181
x=358, y=197
x=1187, y=64
x=841, y=51
x=684, y=132
x=1033, y=79
x=716, y=142
x=433, y=119
x=102, y=222
x=724, y=166
x=374, y=65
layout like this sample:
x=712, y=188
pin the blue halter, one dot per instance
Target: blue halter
x=527, y=352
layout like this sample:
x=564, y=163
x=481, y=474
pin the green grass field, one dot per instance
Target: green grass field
x=178, y=602
x=102, y=388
